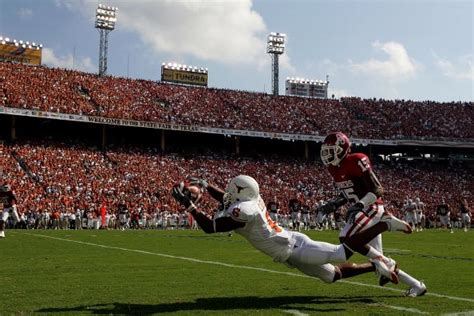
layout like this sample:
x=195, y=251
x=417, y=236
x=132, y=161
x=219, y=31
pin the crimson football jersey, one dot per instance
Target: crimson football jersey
x=352, y=177
x=294, y=205
x=8, y=199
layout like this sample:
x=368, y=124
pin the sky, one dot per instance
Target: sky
x=391, y=49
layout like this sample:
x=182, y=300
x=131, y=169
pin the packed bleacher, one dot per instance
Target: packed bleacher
x=65, y=177
x=73, y=92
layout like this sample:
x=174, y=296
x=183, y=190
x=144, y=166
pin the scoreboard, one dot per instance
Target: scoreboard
x=184, y=74
x=20, y=51
x=306, y=88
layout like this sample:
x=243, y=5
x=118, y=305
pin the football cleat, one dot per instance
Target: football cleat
x=395, y=224
x=2, y=234
x=386, y=267
x=415, y=291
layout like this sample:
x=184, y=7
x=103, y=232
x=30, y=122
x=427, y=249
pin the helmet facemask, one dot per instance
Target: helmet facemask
x=228, y=200
x=330, y=154
x=334, y=149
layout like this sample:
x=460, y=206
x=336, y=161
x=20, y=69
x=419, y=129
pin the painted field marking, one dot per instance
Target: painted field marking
x=229, y=265
x=400, y=308
x=295, y=312
x=468, y=313
x=394, y=250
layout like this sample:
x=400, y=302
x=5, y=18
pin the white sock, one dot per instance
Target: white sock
x=407, y=279
x=373, y=253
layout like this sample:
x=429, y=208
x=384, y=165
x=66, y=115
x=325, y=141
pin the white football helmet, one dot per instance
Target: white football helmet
x=240, y=189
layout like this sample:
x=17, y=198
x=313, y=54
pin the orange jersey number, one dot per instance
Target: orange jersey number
x=272, y=224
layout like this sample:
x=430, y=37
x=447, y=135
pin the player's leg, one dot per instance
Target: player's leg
x=3, y=220
x=467, y=221
x=14, y=215
x=417, y=288
x=330, y=273
x=349, y=269
x=312, y=258
x=2, y=228
x=366, y=230
x=310, y=252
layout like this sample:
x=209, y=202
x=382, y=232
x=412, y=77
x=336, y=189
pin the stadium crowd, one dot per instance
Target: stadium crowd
x=73, y=92
x=57, y=180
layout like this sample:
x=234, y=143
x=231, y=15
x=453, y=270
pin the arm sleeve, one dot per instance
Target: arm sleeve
x=215, y=192
x=368, y=176
x=221, y=224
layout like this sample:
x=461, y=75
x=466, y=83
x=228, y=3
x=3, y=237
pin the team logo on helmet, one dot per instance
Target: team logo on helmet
x=241, y=188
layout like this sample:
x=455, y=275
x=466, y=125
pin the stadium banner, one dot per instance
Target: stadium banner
x=184, y=77
x=222, y=131
x=12, y=53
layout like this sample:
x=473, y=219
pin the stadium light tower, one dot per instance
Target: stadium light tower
x=105, y=19
x=275, y=47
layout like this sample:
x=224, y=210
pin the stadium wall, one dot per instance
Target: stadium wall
x=14, y=128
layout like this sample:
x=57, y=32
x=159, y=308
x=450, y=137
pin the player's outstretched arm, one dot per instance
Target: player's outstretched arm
x=209, y=226
x=223, y=224
x=214, y=191
x=373, y=183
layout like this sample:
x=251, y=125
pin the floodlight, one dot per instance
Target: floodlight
x=275, y=47
x=106, y=17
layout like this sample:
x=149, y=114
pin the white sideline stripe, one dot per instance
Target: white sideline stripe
x=400, y=308
x=467, y=313
x=229, y=265
x=295, y=312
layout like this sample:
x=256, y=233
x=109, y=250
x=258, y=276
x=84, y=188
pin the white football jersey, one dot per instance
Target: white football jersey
x=260, y=230
x=420, y=206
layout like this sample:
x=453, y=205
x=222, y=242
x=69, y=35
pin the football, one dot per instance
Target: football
x=195, y=193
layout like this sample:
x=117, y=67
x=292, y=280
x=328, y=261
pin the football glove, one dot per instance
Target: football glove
x=201, y=183
x=182, y=195
x=353, y=210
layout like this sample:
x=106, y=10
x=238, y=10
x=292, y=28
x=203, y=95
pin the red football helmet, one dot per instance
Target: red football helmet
x=335, y=147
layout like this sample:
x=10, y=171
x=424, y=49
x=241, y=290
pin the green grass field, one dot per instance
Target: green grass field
x=188, y=272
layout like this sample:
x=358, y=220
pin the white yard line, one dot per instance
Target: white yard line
x=229, y=265
x=400, y=308
x=468, y=313
x=295, y=312
x=395, y=250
